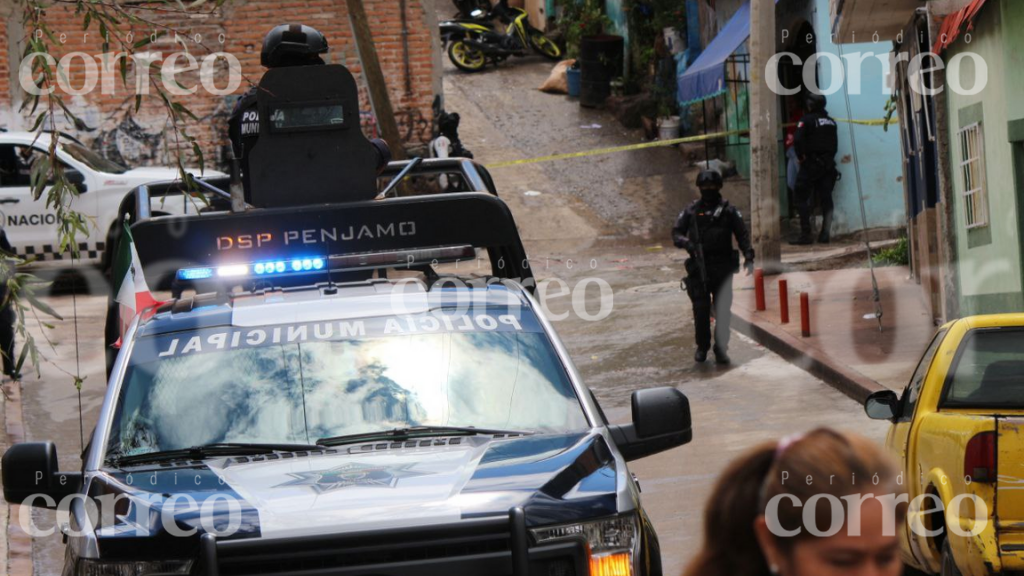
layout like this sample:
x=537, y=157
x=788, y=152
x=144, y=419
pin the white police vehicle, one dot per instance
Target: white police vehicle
x=31, y=227
x=296, y=416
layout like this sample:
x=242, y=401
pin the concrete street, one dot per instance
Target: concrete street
x=605, y=217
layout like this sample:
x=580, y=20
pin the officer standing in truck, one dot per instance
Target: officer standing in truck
x=284, y=46
x=816, y=142
x=705, y=229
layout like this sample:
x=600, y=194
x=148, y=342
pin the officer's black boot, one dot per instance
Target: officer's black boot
x=700, y=355
x=805, y=228
x=721, y=357
x=826, y=228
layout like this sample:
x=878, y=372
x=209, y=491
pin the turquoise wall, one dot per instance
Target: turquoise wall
x=619, y=17
x=879, y=151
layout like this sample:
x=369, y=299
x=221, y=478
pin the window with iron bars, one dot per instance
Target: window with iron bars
x=972, y=170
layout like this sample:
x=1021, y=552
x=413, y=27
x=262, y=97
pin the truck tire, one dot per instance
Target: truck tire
x=948, y=564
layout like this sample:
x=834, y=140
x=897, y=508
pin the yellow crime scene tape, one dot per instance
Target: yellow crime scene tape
x=661, y=143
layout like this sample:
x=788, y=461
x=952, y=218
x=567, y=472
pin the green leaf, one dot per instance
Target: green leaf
x=41, y=305
x=199, y=157
x=181, y=108
x=38, y=122
x=87, y=20
x=22, y=357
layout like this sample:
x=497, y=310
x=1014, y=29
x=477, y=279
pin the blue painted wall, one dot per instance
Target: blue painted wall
x=879, y=152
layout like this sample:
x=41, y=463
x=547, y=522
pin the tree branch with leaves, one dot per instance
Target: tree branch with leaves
x=47, y=107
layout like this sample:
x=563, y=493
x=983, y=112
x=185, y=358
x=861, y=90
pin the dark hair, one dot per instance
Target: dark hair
x=841, y=464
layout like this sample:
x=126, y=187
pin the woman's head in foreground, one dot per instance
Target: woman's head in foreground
x=801, y=507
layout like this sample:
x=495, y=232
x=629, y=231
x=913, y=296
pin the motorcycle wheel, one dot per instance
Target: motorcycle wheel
x=466, y=57
x=544, y=45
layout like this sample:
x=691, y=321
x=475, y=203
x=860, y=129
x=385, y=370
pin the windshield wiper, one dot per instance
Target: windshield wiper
x=209, y=451
x=402, y=434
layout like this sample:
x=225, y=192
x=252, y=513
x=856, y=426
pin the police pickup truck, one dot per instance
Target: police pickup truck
x=353, y=392
x=31, y=227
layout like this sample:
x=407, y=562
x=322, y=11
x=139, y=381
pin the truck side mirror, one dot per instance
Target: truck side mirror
x=76, y=179
x=661, y=421
x=30, y=473
x=882, y=405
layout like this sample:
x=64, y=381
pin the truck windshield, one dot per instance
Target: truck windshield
x=299, y=383
x=988, y=371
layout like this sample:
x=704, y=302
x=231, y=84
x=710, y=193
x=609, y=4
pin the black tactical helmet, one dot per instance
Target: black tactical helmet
x=293, y=45
x=815, y=102
x=709, y=179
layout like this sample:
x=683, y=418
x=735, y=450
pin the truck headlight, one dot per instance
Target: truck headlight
x=612, y=543
x=87, y=567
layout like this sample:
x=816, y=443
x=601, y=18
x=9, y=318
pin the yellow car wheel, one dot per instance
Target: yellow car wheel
x=466, y=57
x=545, y=46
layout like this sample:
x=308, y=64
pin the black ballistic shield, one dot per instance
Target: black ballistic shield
x=311, y=149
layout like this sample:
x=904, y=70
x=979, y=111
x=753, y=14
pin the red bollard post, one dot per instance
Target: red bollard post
x=783, y=301
x=805, y=315
x=759, y=289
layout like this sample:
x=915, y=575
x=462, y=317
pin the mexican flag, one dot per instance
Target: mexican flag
x=132, y=292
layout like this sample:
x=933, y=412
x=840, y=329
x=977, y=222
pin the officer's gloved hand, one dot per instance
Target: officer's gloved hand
x=685, y=245
x=749, y=266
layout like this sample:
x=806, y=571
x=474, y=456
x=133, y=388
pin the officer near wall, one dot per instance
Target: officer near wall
x=705, y=229
x=816, y=143
x=285, y=46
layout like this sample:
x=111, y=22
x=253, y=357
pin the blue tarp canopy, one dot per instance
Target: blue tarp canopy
x=705, y=78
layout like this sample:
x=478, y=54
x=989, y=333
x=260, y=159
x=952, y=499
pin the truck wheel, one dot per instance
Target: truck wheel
x=948, y=564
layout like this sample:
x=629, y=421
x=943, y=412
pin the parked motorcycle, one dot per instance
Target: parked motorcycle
x=466, y=8
x=472, y=43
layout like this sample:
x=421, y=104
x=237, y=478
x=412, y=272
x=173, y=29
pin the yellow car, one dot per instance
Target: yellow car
x=958, y=430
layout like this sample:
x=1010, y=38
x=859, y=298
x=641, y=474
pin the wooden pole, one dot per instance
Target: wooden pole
x=764, y=149
x=378, y=88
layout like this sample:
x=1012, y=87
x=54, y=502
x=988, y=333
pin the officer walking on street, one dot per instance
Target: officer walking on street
x=705, y=229
x=816, y=143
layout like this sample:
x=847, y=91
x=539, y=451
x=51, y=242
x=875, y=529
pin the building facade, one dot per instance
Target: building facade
x=962, y=144
x=877, y=148
x=986, y=132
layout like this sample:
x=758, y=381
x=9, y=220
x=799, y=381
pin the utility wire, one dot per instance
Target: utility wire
x=875, y=294
x=78, y=356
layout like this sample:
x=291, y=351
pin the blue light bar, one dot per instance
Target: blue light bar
x=291, y=266
x=195, y=273
x=313, y=264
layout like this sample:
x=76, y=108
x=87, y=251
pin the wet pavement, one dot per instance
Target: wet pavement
x=599, y=221
x=609, y=218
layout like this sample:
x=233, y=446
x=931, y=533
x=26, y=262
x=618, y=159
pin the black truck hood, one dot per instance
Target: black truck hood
x=555, y=478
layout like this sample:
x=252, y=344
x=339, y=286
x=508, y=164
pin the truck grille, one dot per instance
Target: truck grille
x=482, y=548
